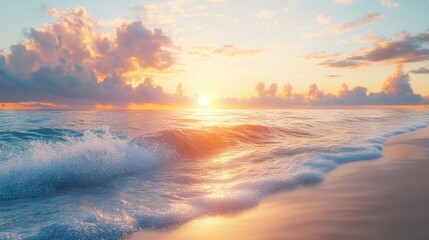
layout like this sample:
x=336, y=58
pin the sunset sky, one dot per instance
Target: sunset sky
x=246, y=53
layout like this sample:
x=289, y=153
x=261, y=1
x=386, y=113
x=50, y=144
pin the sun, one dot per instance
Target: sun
x=203, y=100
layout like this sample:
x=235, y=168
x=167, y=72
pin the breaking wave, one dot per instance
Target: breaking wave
x=46, y=167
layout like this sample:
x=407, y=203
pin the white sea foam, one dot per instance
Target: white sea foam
x=91, y=159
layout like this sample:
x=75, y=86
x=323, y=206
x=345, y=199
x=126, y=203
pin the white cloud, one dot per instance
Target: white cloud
x=322, y=19
x=389, y=4
x=265, y=14
x=344, y=1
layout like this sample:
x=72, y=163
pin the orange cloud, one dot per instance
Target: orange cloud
x=343, y=27
x=400, y=49
x=226, y=50
x=75, y=61
x=396, y=90
x=30, y=106
x=366, y=19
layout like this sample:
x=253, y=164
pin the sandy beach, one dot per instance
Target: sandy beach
x=386, y=198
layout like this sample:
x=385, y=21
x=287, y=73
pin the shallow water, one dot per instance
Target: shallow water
x=100, y=174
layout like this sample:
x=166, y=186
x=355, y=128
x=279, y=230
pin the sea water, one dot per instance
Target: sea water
x=106, y=174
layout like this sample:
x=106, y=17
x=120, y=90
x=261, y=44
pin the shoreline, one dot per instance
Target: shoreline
x=385, y=198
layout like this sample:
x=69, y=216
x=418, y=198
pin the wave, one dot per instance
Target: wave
x=100, y=155
x=210, y=140
x=63, y=158
x=95, y=157
x=41, y=134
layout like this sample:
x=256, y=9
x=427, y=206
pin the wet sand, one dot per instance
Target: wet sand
x=386, y=198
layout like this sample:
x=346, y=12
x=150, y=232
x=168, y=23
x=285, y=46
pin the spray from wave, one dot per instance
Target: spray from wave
x=92, y=159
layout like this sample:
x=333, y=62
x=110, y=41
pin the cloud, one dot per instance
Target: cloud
x=366, y=19
x=333, y=76
x=266, y=92
x=344, y=1
x=349, y=62
x=231, y=50
x=396, y=90
x=180, y=91
x=227, y=50
x=30, y=105
x=168, y=13
x=319, y=55
x=322, y=19
x=421, y=70
x=401, y=49
x=389, y=4
x=369, y=38
x=74, y=61
x=342, y=27
x=266, y=14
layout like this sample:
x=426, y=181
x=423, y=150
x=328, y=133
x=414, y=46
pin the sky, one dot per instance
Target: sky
x=259, y=53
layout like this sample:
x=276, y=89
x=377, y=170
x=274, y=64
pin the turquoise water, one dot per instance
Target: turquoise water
x=103, y=175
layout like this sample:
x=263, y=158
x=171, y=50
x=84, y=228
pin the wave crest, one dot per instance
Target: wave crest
x=208, y=141
x=45, y=167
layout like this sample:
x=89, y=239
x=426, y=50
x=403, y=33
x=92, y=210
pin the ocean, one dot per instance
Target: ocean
x=106, y=174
